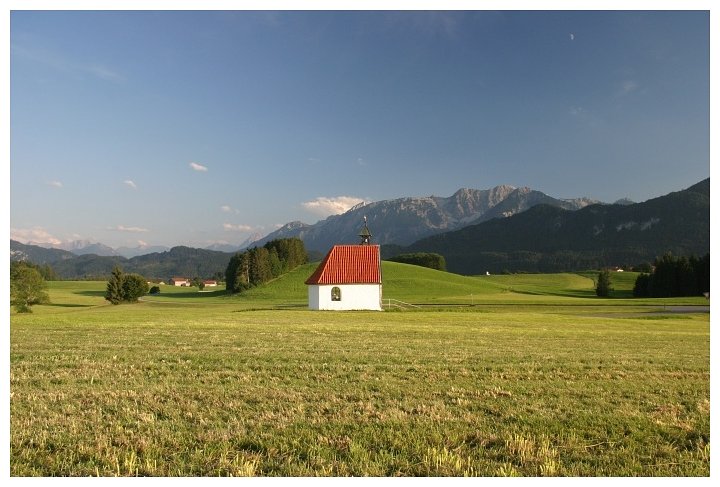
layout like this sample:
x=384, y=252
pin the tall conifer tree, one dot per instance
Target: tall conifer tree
x=114, y=290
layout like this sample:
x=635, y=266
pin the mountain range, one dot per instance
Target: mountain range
x=403, y=221
x=549, y=238
x=502, y=228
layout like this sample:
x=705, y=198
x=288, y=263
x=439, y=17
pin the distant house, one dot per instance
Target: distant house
x=349, y=278
x=210, y=283
x=179, y=281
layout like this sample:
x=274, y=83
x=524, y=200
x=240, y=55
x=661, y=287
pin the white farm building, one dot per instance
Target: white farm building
x=349, y=278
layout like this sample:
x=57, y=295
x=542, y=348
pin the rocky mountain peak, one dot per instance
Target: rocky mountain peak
x=405, y=220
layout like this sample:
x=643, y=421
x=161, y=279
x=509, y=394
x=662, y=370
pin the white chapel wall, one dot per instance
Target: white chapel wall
x=352, y=296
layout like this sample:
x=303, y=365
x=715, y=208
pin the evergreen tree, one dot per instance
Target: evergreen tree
x=114, y=289
x=702, y=272
x=231, y=273
x=686, y=284
x=603, y=284
x=663, y=282
x=258, y=265
x=675, y=276
x=641, y=289
x=260, y=272
x=237, y=275
x=276, y=266
x=123, y=287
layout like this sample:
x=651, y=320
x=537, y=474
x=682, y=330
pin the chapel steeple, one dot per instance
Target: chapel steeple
x=365, y=234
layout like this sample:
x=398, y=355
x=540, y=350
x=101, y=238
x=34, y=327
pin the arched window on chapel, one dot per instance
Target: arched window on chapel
x=335, y=294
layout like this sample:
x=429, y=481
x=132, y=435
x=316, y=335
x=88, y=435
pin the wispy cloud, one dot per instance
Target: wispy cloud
x=237, y=228
x=198, y=167
x=123, y=228
x=628, y=86
x=572, y=36
x=331, y=206
x=35, y=235
x=56, y=61
x=103, y=72
x=56, y=184
x=130, y=183
x=436, y=24
x=229, y=209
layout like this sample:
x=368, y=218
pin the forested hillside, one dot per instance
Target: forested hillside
x=178, y=261
x=549, y=239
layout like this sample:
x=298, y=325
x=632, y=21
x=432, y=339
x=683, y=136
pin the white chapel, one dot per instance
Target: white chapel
x=349, y=278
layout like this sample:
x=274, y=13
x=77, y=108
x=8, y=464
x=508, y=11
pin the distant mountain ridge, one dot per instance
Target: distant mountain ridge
x=37, y=254
x=548, y=238
x=399, y=221
x=178, y=261
x=506, y=228
x=404, y=220
x=81, y=247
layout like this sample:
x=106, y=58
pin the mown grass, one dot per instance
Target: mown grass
x=201, y=384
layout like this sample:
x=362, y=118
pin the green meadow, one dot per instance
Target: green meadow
x=512, y=375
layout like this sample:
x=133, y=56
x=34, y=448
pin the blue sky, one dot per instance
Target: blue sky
x=193, y=128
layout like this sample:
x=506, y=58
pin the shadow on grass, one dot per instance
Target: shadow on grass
x=571, y=293
x=169, y=295
x=272, y=307
x=100, y=294
x=70, y=305
x=185, y=295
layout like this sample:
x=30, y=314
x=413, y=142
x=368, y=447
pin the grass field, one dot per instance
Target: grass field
x=502, y=376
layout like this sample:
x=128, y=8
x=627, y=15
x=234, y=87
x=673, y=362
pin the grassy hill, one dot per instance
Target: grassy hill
x=401, y=282
x=420, y=285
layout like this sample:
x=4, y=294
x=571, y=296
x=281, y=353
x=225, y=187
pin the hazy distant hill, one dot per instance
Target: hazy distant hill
x=82, y=247
x=37, y=255
x=178, y=261
x=181, y=261
x=405, y=220
x=549, y=238
x=130, y=252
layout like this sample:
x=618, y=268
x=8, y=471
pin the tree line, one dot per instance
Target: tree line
x=675, y=276
x=258, y=265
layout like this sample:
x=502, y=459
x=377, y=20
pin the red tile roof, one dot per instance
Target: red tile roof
x=349, y=264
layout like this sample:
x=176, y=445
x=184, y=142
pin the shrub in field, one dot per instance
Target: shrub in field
x=134, y=286
x=27, y=287
x=125, y=287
